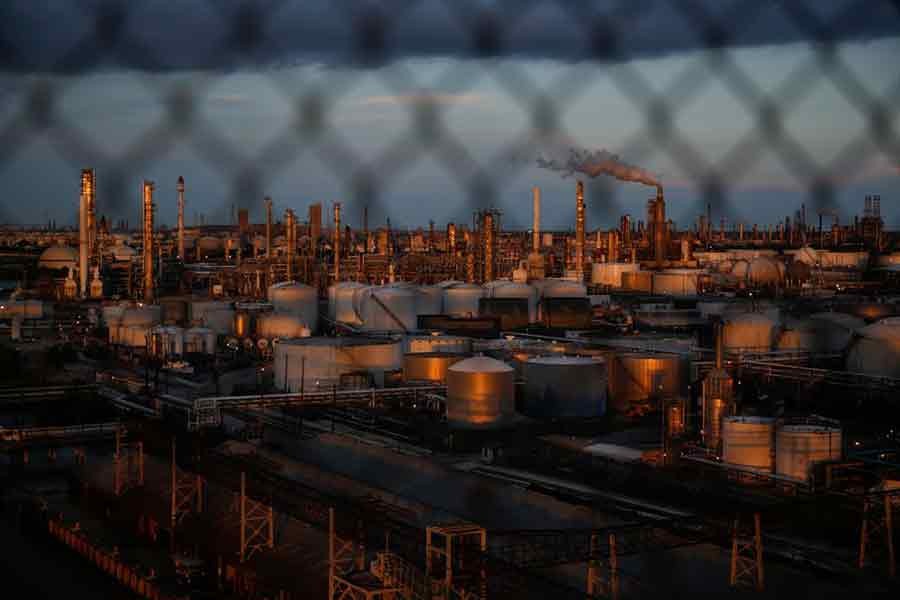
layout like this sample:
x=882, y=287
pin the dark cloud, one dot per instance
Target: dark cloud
x=76, y=35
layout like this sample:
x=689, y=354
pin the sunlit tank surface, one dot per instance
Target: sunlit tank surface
x=676, y=282
x=748, y=442
x=876, y=349
x=208, y=245
x=565, y=386
x=414, y=344
x=638, y=281
x=214, y=314
x=430, y=300
x=244, y=325
x=59, y=257
x=480, y=393
x=387, y=308
x=461, y=300
x=429, y=366
x=296, y=299
x=200, y=340
x=281, y=325
x=134, y=324
x=821, y=332
x=340, y=302
x=319, y=362
x=510, y=289
x=750, y=332
x=167, y=340
x=634, y=378
x=610, y=273
x=868, y=310
x=740, y=269
x=566, y=313
x=798, y=447
x=763, y=271
x=560, y=288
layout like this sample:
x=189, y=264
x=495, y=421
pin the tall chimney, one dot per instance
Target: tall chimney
x=451, y=239
x=579, y=230
x=487, y=237
x=89, y=189
x=366, y=228
x=612, y=251
x=337, y=241
x=149, y=208
x=536, y=225
x=659, y=228
x=180, y=188
x=83, y=241
x=268, y=203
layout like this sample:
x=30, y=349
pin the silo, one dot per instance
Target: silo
x=429, y=366
x=676, y=282
x=297, y=299
x=748, y=442
x=638, y=281
x=635, y=378
x=480, y=393
x=565, y=386
x=415, y=344
x=387, y=308
x=798, y=447
x=461, y=300
x=749, y=332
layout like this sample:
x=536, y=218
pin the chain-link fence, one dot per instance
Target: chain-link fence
x=545, y=61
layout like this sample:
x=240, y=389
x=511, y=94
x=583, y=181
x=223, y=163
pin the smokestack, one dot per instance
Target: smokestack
x=337, y=241
x=89, y=189
x=366, y=227
x=612, y=250
x=290, y=226
x=741, y=232
x=659, y=227
x=180, y=188
x=579, y=230
x=451, y=239
x=83, y=241
x=487, y=236
x=268, y=203
x=536, y=225
x=149, y=208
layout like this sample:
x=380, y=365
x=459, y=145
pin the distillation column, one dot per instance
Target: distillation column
x=536, y=215
x=579, y=231
x=290, y=233
x=149, y=208
x=180, y=188
x=337, y=241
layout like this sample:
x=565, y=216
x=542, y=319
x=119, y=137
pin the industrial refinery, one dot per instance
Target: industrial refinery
x=297, y=408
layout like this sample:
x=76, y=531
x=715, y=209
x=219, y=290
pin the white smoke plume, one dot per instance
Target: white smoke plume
x=599, y=162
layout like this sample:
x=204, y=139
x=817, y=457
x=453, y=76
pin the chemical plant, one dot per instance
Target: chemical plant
x=301, y=409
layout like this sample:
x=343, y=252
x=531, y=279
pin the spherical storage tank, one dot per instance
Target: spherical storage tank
x=281, y=325
x=319, y=362
x=461, y=300
x=297, y=299
x=876, y=349
x=676, y=282
x=748, y=442
x=565, y=386
x=749, y=332
x=387, y=308
x=798, y=447
x=480, y=393
x=521, y=291
x=59, y=257
x=634, y=378
x=341, y=304
x=429, y=366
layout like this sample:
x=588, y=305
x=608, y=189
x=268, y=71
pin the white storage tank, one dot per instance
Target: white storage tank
x=297, y=299
x=565, y=386
x=560, y=288
x=748, y=442
x=676, y=282
x=415, y=344
x=610, y=273
x=134, y=324
x=200, y=340
x=387, y=308
x=876, y=349
x=214, y=314
x=319, y=362
x=749, y=332
x=798, y=447
x=480, y=393
x=281, y=325
x=461, y=299
x=341, y=306
x=167, y=340
x=430, y=301
x=635, y=377
x=521, y=291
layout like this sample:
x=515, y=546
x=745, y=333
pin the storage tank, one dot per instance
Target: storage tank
x=134, y=324
x=214, y=314
x=387, y=308
x=431, y=300
x=461, y=299
x=341, y=304
x=566, y=313
x=748, y=442
x=749, y=332
x=27, y=309
x=480, y=393
x=634, y=378
x=167, y=340
x=414, y=344
x=515, y=290
x=319, y=362
x=244, y=325
x=281, y=325
x=429, y=366
x=200, y=340
x=638, y=281
x=174, y=310
x=207, y=245
x=565, y=386
x=560, y=288
x=763, y=271
x=610, y=273
x=676, y=282
x=876, y=349
x=297, y=299
x=740, y=269
x=798, y=447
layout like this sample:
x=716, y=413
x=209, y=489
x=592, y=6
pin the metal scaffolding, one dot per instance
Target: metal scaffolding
x=128, y=464
x=257, y=524
x=747, y=555
x=876, y=538
x=186, y=493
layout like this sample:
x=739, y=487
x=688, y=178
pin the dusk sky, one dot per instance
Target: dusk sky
x=104, y=109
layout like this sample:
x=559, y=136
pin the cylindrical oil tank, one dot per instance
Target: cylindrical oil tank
x=174, y=310
x=565, y=386
x=676, y=282
x=296, y=299
x=560, y=288
x=319, y=362
x=610, y=273
x=512, y=312
x=480, y=393
x=762, y=271
x=429, y=366
x=431, y=300
x=635, y=378
x=798, y=447
x=510, y=289
x=244, y=325
x=208, y=245
x=566, y=313
x=167, y=340
x=461, y=300
x=281, y=325
x=340, y=302
x=200, y=340
x=214, y=314
x=739, y=270
x=748, y=442
x=414, y=344
x=27, y=309
x=638, y=281
x=749, y=332
x=387, y=308
x=876, y=349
